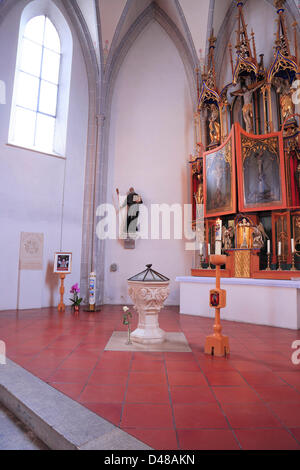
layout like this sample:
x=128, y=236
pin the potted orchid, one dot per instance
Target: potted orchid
x=76, y=300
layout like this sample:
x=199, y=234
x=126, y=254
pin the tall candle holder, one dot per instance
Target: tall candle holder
x=279, y=263
x=268, y=268
x=217, y=344
x=293, y=268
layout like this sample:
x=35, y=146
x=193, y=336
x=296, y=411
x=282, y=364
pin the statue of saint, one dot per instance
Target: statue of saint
x=286, y=103
x=199, y=194
x=214, y=126
x=259, y=236
x=132, y=202
x=227, y=237
x=245, y=226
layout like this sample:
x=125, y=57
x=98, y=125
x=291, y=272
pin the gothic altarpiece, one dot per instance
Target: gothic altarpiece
x=246, y=166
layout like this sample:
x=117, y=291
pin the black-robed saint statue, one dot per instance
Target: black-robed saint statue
x=132, y=202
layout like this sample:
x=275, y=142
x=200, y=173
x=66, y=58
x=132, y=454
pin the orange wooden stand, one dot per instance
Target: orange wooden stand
x=217, y=344
x=61, y=306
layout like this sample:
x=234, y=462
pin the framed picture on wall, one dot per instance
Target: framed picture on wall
x=219, y=179
x=63, y=262
x=261, y=173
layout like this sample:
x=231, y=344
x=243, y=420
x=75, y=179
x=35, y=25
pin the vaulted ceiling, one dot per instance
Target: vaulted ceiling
x=109, y=20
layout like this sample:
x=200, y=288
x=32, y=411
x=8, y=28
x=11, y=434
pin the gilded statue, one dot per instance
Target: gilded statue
x=284, y=90
x=244, y=227
x=214, y=126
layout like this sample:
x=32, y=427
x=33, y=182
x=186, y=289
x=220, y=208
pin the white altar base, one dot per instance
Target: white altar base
x=258, y=301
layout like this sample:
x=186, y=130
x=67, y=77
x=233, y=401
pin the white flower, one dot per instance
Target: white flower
x=125, y=309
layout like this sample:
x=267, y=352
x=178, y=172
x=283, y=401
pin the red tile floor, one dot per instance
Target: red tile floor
x=250, y=400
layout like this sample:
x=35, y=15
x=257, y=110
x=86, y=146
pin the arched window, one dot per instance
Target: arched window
x=37, y=86
x=42, y=78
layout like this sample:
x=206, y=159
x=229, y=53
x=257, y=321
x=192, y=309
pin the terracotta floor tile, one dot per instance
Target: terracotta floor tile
x=292, y=378
x=296, y=433
x=250, y=415
x=240, y=394
x=162, y=397
x=208, y=439
x=186, y=378
x=224, y=378
x=184, y=366
x=158, y=439
x=103, y=394
x=73, y=390
x=191, y=395
x=70, y=376
x=108, y=377
x=109, y=411
x=148, y=356
x=203, y=415
x=266, y=439
x=142, y=365
x=85, y=363
x=288, y=413
x=282, y=393
x=147, y=394
x=147, y=378
x=147, y=416
x=178, y=356
x=261, y=378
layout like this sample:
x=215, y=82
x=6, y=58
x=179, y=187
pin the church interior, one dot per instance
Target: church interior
x=136, y=132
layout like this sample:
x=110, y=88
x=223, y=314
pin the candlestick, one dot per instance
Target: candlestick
x=268, y=268
x=61, y=307
x=293, y=268
x=279, y=263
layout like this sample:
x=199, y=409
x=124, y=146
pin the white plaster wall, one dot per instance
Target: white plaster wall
x=31, y=187
x=150, y=141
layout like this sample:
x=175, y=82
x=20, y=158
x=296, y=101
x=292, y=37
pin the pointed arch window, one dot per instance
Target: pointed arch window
x=36, y=90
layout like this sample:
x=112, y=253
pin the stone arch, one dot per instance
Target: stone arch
x=152, y=13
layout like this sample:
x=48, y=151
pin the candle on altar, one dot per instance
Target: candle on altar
x=279, y=249
x=218, y=237
x=293, y=245
x=268, y=247
x=218, y=233
x=201, y=249
x=208, y=249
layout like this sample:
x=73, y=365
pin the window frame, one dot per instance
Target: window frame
x=51, y=12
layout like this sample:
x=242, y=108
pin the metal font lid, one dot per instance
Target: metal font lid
x=149, y=275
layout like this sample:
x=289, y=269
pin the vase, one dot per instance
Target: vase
x=76, y=308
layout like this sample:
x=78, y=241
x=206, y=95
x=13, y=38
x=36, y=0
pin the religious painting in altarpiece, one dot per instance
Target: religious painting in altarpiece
x=261, y=172
x=219, y=179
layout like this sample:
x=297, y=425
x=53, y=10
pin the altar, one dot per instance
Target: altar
x=269, y=302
